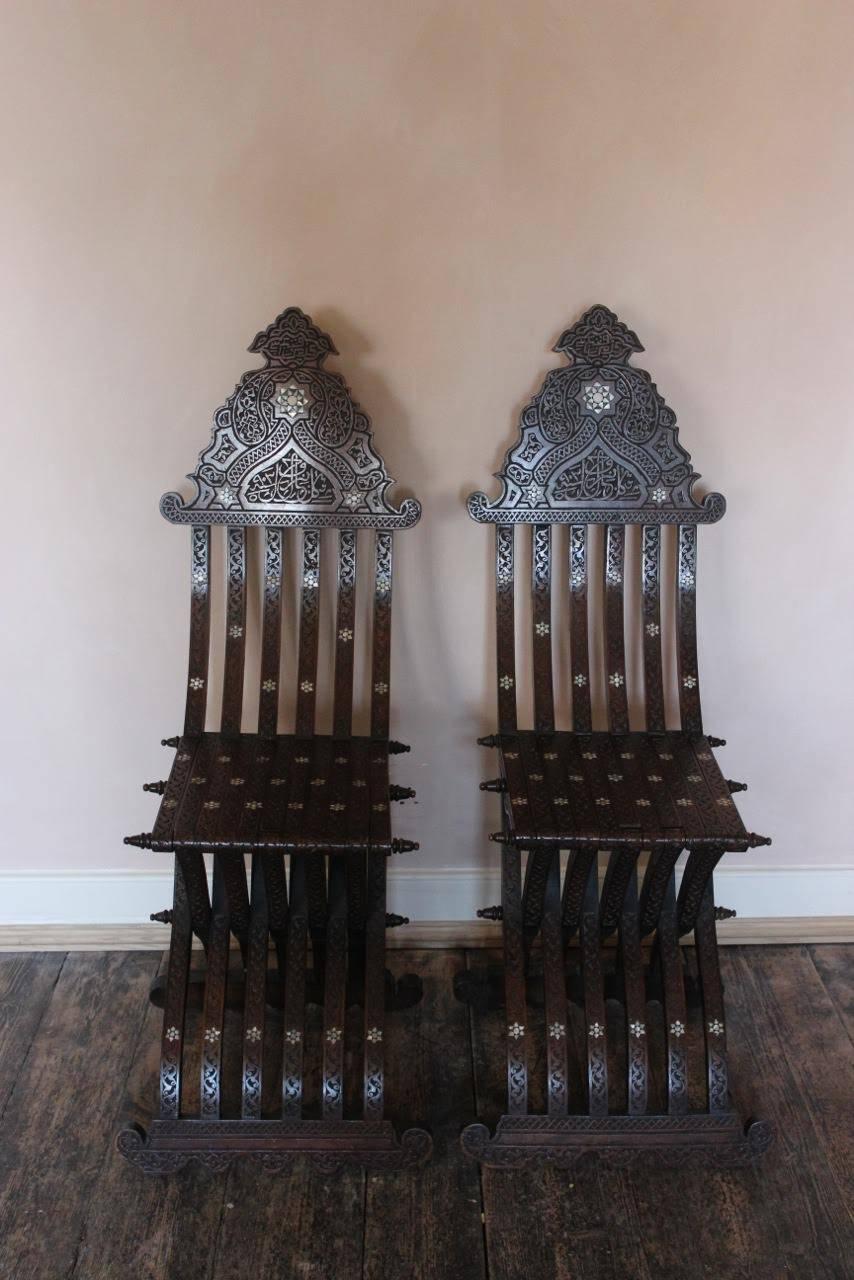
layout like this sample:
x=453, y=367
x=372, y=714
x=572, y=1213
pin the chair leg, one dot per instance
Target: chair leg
x=714, y=1137
x=554, y=982
x=213, y=1139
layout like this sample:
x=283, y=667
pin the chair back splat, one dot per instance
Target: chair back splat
x=292, y=455
x=630, y=780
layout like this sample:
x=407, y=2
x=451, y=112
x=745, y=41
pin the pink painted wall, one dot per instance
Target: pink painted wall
x=445, y=187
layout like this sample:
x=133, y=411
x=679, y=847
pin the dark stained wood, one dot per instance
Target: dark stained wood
x=598, y=446
x=54, y=1137
x=26, y=986
x=82, y=1054
x=427, y=1223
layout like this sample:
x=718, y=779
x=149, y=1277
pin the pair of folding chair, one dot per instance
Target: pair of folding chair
x=312, y=811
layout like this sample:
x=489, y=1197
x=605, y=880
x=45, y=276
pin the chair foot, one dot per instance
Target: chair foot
x=700, y=1140
x=169, y=1145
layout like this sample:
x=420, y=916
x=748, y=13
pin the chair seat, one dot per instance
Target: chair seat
x=247, y=792
x=635, y=788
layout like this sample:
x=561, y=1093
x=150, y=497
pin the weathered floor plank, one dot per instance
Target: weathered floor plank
x=835, y=965
x=26, y=985
x=149, y=1228
x=548, y=1222
x=57, y=1129
x=427, y=1224
x=79, y=1050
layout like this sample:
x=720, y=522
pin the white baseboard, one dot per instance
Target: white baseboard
x=91, y=910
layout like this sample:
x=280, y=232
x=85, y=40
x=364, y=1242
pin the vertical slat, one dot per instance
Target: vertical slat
x=345, y=630
x=706, y=942
x=634, y=993
x=381, y=639
x=334, y=991
x=686, y=623
x=651, y=613
x=505, y=628
x=374, y=1008
x=255, y=1000
x=541, y=570
x=514, y=982
x=175, y=1003
x=271, y=635
x=214, y=1000
x=308, y=633
x=594, y=997
x=294, y=1021
x=235, y=631
x=615, y=653
x=555, y=993
x=675, y=1016
x=200, y=626
x=581, y=719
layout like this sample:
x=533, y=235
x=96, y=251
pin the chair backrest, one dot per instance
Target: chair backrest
x=599, y=446
x=290, y=450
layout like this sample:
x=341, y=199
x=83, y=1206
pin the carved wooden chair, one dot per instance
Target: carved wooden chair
x=598, y=446
x=290, y=450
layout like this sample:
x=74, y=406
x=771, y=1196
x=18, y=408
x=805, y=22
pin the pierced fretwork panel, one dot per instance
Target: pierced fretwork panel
x=290, y=446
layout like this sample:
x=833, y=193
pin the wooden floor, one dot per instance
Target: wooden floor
x=78, y=1056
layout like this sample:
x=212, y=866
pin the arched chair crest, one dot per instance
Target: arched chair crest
x=598, y=446
x=291, y=450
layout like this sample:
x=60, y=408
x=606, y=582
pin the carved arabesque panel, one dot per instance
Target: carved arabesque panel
x=597, y=443
x=290, y=446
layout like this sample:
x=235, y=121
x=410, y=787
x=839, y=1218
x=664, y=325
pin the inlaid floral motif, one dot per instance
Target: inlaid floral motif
x=235, y=632
x=381, y=687
x=506, y=682
x=345, y=634
x=212, y=1035
x=254, y=1034
x=579, y=680
x=333, y=1035
x=637, y=1029
x=644, y=804
x=374, y=1035
x=196, y=682
x=269, y=686
x=595, y=1030
x=307, y=686
x=652, y=629
x=557, y=1030
x=690, y=682
x=677, y=1029
x=716, y=1027
x=617, y=680
x=211, y=804
x=173, y=1034
x=542, y=628
x=293, y=1035
x=515, y=1031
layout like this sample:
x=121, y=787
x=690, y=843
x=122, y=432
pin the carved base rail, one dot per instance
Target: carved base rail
x=236, y=1111
x=610, y=1118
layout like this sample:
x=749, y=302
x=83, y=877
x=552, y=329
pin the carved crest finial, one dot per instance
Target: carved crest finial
x=290, y=446
x=597, y=443
x=599, y=337
x=293, y=339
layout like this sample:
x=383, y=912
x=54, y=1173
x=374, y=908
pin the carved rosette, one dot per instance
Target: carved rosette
x=597, y=443
x=290, y=446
